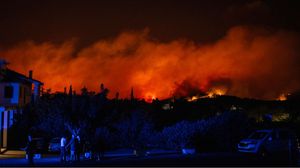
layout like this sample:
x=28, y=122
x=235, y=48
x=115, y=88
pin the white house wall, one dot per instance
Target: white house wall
x=6, y=121
x=4, y=127
x=11, y=117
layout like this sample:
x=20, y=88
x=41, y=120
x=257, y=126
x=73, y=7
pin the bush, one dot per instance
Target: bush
x=225, y=131
x=217, y=133
x=179, y=135
x=134, y=131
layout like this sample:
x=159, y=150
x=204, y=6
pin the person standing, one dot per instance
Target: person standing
x=63, y=142
x=29, y=150
x=77, y=148
x=72, y=148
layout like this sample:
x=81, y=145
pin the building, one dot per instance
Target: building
x=16, y=91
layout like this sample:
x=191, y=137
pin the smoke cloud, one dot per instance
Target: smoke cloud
x=246, y=62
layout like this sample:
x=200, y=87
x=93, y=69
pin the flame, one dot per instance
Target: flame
x=149, y=97
x=216, y=92
x=163, y=69
x=211, y=94
x=282, y=97
x=193, y=98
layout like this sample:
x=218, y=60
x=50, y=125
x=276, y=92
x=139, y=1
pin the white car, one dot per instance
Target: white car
x=54, y=145
x=270, y=142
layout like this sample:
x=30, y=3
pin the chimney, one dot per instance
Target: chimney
x=30, y=74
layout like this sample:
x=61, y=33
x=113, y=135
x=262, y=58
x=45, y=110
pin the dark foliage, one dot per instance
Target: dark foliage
x=208, y=124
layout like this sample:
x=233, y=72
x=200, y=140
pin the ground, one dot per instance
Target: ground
x=160, y=158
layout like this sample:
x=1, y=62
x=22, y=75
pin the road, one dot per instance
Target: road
x=172, y=159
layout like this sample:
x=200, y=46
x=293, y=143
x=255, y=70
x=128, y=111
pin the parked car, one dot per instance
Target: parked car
x=40, y=145
x=271, y=142
x=54, y=145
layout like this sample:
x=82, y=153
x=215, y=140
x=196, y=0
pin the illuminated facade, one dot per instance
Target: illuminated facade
x=16, y=91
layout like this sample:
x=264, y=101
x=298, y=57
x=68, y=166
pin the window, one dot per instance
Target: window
x=8, y=91
x=284, y=135
x=258, y=135
x=274, y=135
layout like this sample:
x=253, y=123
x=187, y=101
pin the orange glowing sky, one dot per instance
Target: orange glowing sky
x=246, y=62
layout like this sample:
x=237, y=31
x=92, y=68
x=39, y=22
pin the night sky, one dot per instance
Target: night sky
x=90, y=20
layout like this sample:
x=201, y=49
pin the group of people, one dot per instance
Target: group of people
x=73, y=146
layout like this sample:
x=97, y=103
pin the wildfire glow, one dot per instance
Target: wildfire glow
x=282, y=97
x=244, y=62
x=216, y=92
x=149, y=97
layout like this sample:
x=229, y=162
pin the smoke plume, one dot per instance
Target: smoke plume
x=246, y=62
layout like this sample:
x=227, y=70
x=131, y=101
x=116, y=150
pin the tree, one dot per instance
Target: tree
x=135, y=131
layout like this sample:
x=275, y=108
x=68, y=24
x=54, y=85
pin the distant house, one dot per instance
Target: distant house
x=16, y=91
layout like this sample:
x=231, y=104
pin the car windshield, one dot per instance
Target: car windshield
x=258, y=135
x=55, y=140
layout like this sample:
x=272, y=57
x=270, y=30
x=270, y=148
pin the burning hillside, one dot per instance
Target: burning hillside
x=246, y=62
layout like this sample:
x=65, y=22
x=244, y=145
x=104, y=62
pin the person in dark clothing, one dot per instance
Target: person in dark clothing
x=29, y=150
x=77, y=148
x=72, y=148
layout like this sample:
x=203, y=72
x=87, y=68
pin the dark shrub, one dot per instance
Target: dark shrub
x=179, y=135
x=135, y=131
x=219, y=133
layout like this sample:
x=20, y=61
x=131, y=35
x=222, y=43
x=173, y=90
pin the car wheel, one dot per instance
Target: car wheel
x=262, y=154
